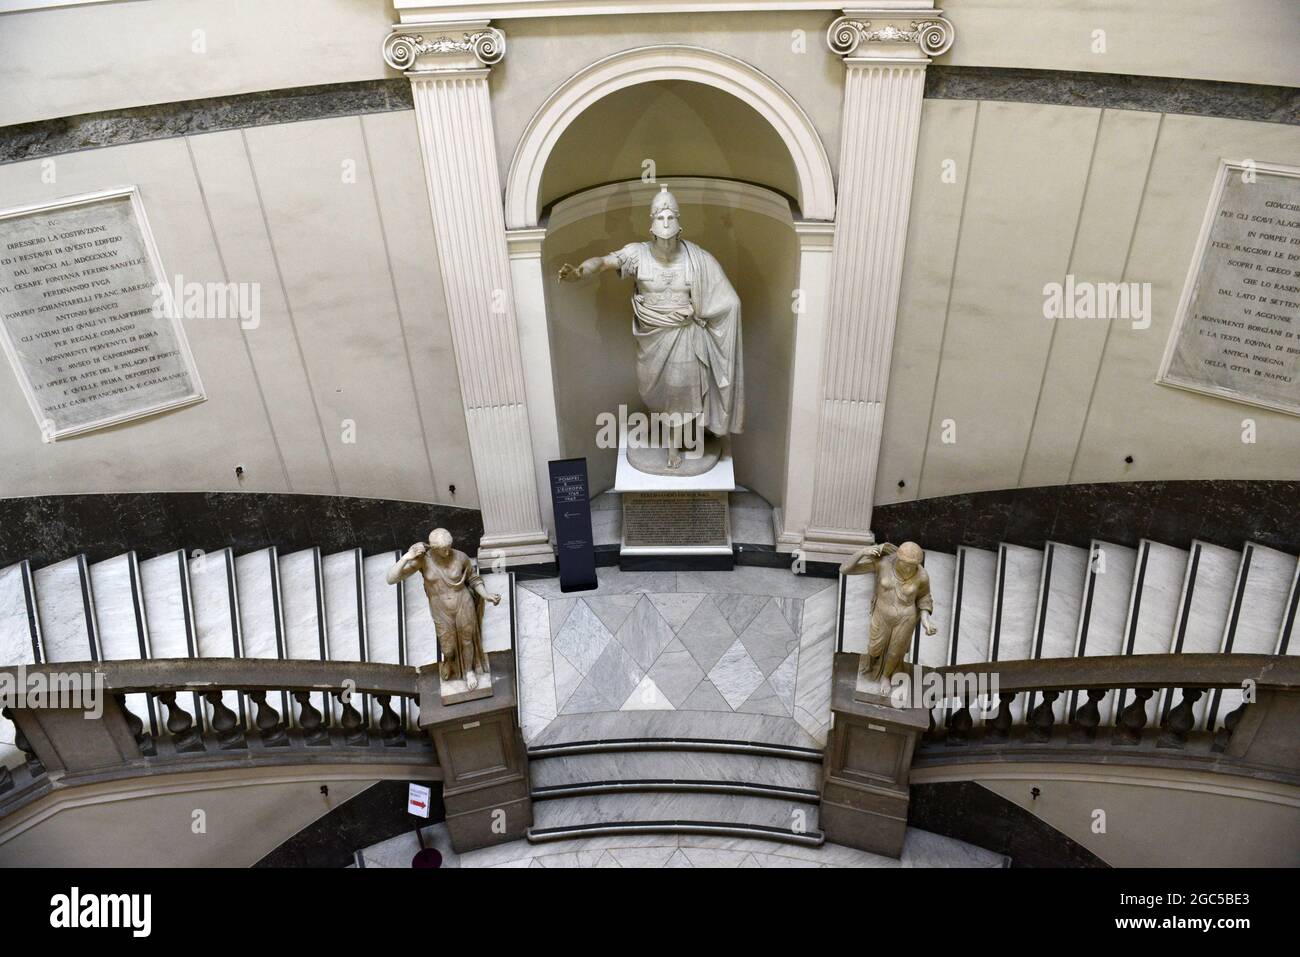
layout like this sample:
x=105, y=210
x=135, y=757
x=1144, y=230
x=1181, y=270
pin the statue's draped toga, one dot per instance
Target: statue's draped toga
x=683, y=365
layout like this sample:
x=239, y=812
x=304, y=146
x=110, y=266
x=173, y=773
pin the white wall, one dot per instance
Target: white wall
x=1042, y=192
x=54, y=62
x=353, y=326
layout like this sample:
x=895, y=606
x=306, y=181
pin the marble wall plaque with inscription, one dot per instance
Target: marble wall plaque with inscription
x=86, y=315
x=1237, y=331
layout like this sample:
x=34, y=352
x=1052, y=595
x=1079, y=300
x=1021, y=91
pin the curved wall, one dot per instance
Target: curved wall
x=355, y=329
x=49, y=67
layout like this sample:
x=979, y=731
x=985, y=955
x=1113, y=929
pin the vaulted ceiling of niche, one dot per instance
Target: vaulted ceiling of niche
x=688, y=129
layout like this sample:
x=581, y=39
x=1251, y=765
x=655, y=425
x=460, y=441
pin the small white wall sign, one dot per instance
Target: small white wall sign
x=1236, y=334
x=87, y=317
x=417, y=800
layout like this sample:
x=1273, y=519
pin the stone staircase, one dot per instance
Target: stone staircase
x=262, y=604
x=1017, y=603
x=635, y=772
x=682, y=772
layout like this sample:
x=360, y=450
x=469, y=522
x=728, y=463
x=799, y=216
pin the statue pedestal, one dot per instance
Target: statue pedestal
x=868, y=764
x=483, y=759
x=676, y=522
x=454, y=692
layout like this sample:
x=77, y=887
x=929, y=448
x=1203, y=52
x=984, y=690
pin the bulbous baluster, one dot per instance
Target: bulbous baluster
x=142, y=741
x=1000, y=726
x=1180, y=720
x=1230, y=722
x=353, y=733
x=1128, y=730
x=959, y=725
x=1087, y=717
x=268, y=722
x=413, y=723
x=314, y=732
x=390, y=725
x=180, y=724
x=225, y=722
x=1042, y=718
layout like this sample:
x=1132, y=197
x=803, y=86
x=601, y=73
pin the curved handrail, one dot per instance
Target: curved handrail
x=1136, y=671
x=235, y=674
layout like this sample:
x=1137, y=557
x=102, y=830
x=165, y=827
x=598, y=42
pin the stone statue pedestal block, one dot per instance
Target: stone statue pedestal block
x=868, y=763
x=458, y=690
x=483, y=759
x=676, y=522
x=872, y=692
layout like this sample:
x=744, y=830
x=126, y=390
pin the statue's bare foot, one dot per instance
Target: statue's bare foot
x=471, y=680
x=674, y=459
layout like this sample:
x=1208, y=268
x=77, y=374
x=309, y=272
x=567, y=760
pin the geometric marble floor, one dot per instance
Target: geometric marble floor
x=751, y=641
x=920, y=849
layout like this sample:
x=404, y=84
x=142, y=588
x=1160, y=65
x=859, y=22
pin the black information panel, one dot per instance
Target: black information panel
x=573, y=538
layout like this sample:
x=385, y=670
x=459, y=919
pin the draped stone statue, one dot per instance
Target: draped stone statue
x=902, y=597
x=686, y=320
x=457, y=598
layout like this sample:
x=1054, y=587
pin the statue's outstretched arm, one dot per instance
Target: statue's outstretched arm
x=589, y=267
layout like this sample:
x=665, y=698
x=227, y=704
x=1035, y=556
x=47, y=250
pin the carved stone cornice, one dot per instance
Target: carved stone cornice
x=438, y=48
x=891, y=33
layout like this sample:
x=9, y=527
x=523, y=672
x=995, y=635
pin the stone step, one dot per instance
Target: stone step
x=216, y=617
x=65, y=604
x=1288, y=638
x=421, y=640
x=385, y=619
x=972, y=604
x=345, y=614
x=1257, y=616
x=617, y=730
x=261, y=617
x=678, y=765
x=933, y=651
x=169, y=618
x=1056, y=615
x=1153, y=607
x=120, y=614
x=1103, y=609
x=778, y=819
x=302, y=597
x=1016, y=580
x=1208, y=586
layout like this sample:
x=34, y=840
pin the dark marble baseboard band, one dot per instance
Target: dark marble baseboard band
x=1116, y=91
x=1241, y=101
x=50, y=528
x=26, y=141
x=1227, y=513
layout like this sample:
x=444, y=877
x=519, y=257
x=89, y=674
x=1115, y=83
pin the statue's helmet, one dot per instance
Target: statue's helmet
x=664, y=199
x=440, y=538
x=911, y=552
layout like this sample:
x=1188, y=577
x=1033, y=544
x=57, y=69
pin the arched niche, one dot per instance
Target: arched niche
x=815, y=191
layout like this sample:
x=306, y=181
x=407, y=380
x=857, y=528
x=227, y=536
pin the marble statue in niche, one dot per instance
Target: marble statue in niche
x=686, y=321
x=457, y=599
x=902, y=597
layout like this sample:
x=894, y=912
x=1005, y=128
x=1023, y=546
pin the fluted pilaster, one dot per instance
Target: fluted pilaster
x=884, y=83
x=454, y=116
